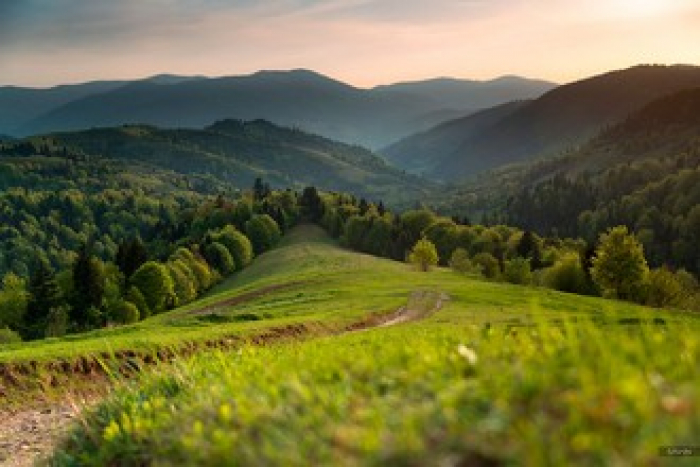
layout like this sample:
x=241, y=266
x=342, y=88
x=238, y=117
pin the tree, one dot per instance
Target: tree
x=44, y=299
x=130, y=255
x=237, y=244
x=183, y=280
x=663, y=289
x=423, y=255
x=529, y=247
x=260, y=189
x=134, y=295
x=460, y=262
x=219, y=257
x=263, y=232
x=155, y=284
x=88, y=289
x=488, y=264
x=311, y=204
x=567, y=275
x=13, y=301
x=517, y=271
x=619, y=267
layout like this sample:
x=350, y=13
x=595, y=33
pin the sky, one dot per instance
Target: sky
x=362, y=42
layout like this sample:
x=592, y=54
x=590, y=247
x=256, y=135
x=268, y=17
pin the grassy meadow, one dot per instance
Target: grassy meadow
x=499, y=375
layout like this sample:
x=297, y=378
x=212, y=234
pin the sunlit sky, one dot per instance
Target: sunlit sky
x=363, y=42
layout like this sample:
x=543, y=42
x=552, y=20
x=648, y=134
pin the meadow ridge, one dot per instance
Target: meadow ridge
x=498, y=374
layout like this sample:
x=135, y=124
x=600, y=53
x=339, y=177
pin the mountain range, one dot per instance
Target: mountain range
x=561, y=119
x=298, y=98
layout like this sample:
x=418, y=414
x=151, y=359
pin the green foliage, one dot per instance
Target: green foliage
x=218, y=256
x=663, y=289
x=125, y=313
x=263, y=232
x=237, y=244
x=517, y=271
x=460, y=262
x=88, y=289
x=134, y=295
x=44, y=303
x=423, y=255
x=488, y=264
x=13, y=301
x=183, y=280
x=567, y=275
x=155, y=284
x=130, y=256
x=619, y=267
x=8, y=336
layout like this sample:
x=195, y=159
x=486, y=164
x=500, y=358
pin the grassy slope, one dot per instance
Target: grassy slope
x=551, y=379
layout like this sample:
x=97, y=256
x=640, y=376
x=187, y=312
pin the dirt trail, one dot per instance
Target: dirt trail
x=28, y=435
x=421, y=304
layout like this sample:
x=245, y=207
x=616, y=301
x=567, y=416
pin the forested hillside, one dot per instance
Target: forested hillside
x=237, y=152
x=643, y=173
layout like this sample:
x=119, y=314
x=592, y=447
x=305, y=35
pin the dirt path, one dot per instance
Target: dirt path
x=421, y=304
x=28, y=435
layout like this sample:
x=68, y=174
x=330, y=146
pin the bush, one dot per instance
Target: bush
x=488, y=264
x=134, y=295
x=663, y=289
x=237, y=244
x=567, y=275
x=517, y=271
x=460, y=262
x=125, y=313
x=619, y=267
x=423, y=255
x=154, y=282
x=263, y=232
x=219, y=257
x=184, y=281
x=8, y=336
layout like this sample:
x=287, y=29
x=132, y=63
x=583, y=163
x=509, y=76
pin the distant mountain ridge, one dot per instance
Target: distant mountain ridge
x=562, y=118
x=297, y=98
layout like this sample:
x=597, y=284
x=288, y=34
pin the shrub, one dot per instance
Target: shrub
x=156, y=285
x=219, y=257
x=263, y=232
x=423, y=255
x=567, y=275
x=460, y=262
x=488, y=264
x=663, y=289
x=619, y=267
x=237, y=244
x=8, y=336
x=517, y=271
x=134, y=295
x=125, y=312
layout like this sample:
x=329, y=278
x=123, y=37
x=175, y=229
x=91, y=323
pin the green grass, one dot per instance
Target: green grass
x=558, y=379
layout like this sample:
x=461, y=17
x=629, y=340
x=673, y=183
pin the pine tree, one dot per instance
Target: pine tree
x=44, y=299
x=88, y=289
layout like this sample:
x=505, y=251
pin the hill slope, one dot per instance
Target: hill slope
x=560, y=119
x=238, y=152
x=463, y=383
x=298, y=98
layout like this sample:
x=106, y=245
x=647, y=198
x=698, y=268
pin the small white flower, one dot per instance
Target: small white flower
x=468, y=353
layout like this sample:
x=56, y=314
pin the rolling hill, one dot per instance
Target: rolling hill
x=298, y=98
x=460, y=381
x=562, y=118
x=237, y=152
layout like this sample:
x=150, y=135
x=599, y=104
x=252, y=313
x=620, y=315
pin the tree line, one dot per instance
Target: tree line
x=614, y=266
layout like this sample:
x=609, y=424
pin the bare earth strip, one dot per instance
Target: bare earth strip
x=28, y=435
